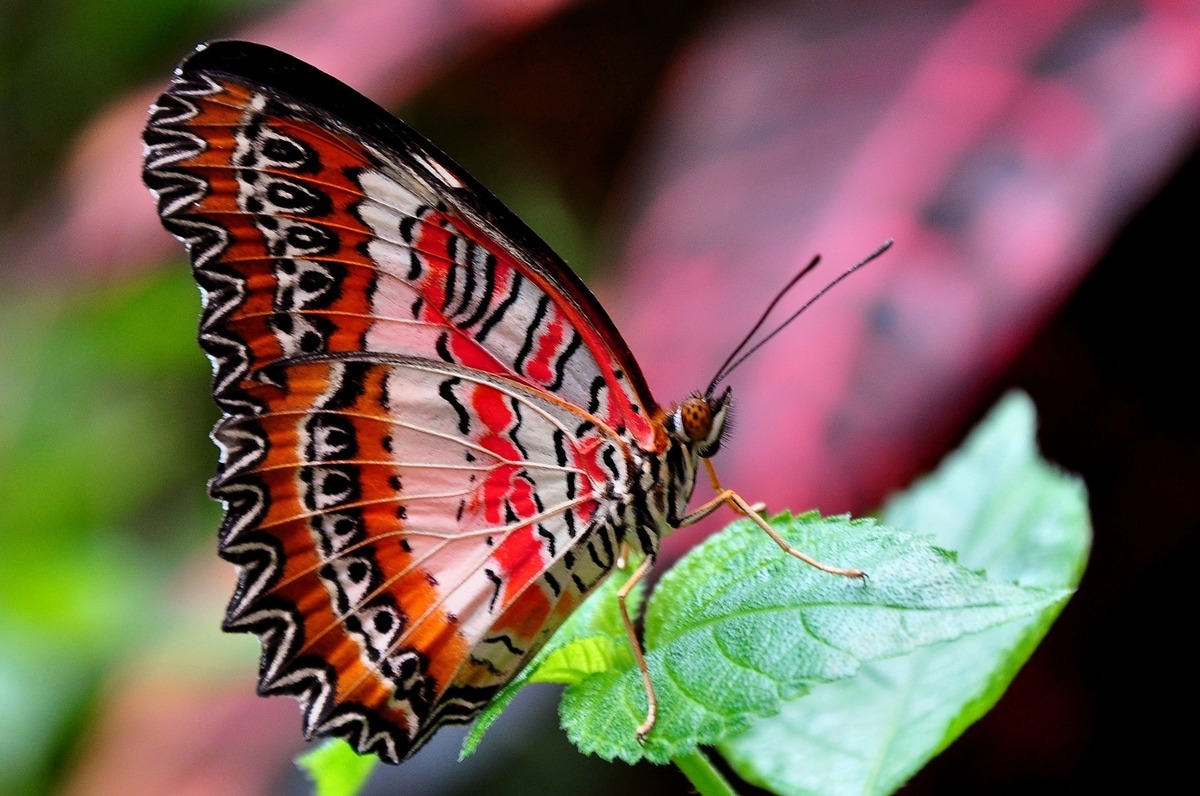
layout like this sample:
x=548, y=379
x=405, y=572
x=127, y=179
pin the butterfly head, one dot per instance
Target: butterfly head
x=700, y=422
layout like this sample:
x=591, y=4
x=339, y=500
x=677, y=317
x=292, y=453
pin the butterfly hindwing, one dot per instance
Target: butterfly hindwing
x=416, y=563
x=423, y=409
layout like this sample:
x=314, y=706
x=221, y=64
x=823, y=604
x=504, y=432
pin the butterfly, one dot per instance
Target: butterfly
x=434, y=442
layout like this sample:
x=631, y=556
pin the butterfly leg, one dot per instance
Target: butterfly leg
x=727, y=497
x=757, y=508
x=651, y=699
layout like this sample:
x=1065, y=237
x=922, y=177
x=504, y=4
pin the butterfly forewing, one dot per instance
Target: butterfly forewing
x=345, y=244
x=425, y=413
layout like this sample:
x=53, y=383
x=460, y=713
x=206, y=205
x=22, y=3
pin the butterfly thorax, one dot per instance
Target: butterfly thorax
x=688, y=432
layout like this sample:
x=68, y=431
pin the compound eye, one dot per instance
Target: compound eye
x=696, y=419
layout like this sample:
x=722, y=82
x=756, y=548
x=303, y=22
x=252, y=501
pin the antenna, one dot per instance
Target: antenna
x=728, y=368
x=761, y=320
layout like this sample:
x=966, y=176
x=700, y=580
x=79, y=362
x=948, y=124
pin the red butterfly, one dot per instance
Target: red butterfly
x=434, y=441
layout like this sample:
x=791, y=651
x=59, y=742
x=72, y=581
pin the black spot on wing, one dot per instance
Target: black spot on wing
x=514, y=292
x=610, y=462
x=560, y=447
x=350, y=386
x=514, y=432
x=594, y=394
x=497, y=583
x=551, y=542
x=560, y=367
x=446, y=390
x=539, y=314
x=443, y=347
x=468, y=292
x=506, y=642
x=488, y=267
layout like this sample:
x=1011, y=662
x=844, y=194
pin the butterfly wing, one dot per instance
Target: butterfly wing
x=424, y=410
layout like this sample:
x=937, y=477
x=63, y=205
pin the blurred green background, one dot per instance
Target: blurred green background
x=102, y=459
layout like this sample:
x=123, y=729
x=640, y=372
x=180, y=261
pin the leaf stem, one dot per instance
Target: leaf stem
x=703, y=775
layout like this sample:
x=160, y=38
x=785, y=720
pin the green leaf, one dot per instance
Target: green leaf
x=1001, y=507
x=737, y=626
x=574, y=662
x=335, y=768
